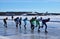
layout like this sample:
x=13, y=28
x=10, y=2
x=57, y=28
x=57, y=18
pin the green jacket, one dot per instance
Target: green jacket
x=35, y=22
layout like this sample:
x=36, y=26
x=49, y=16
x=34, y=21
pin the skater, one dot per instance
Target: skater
x=31, y=22
x=44, y=23
x=20, y=21
x=16, y=21
x=39, y=23
x=5, y=22
x=12, y=17
x=25, y=22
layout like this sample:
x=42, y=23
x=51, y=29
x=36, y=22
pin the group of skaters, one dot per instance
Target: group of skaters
x=18, y=22
x=33, y=21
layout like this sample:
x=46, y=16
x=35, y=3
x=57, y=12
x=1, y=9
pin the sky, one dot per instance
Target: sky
x=30, y=5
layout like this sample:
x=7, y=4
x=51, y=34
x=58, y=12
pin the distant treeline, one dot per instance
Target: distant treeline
x=26, y=13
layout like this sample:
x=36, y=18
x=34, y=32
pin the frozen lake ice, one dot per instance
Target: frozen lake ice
x=12, y=33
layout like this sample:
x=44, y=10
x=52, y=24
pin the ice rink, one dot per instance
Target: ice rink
x=11, y=32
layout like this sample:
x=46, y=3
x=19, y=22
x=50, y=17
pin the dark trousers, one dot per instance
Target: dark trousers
x=5, y=25
x=25, y=26
x=20, y=24
x=32, y=27
x=16, y=25
x=44, y=23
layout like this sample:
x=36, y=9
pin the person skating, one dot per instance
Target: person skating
x=20, y=21
x=25, y=22
x=16, y=21
x=44, y=23
x=31, y=22
x=5, y=22
x=12, y=17
x=38, y=25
